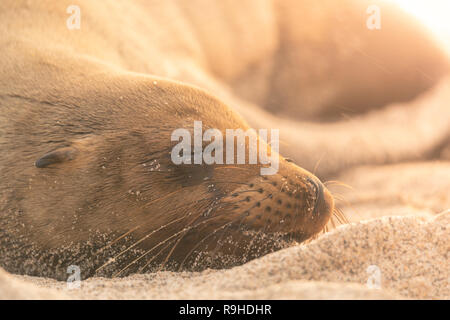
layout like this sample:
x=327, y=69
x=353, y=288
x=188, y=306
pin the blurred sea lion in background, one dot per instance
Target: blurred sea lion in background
x=289, y=64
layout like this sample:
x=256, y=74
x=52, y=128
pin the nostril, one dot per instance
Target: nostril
x=318, y=188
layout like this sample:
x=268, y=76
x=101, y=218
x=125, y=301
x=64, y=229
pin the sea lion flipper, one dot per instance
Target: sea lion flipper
x=56, y=156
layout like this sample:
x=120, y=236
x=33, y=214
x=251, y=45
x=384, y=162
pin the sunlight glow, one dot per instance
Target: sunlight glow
x=435, y=14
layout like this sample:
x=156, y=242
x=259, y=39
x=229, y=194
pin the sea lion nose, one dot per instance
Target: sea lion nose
x=323, y=204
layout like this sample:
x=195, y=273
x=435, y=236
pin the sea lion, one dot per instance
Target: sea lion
x=90, y=182
x=85, y=137
x=87, y=177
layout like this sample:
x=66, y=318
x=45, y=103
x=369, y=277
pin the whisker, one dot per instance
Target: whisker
x=155, y=256
x=318, y=163
x=206, y=237
x=164, y=241
x=243, y=216
x=182, y=235
x=244, y=191
x=158, y=245
x=159, y=229
x=338, y=183
x=117, y=239
x=139, y=241
x=341, y=214
x=234, y=182
x=230, y=167
x=338, y=211
x=341, y=198
x=242, y=183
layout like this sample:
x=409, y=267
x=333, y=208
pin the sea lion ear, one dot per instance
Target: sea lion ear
x=56, y=156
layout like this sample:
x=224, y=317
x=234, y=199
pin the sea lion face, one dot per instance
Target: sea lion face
x=226, y=215
x=113, y=201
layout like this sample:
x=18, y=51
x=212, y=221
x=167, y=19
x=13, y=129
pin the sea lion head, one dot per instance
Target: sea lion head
x=105, y=194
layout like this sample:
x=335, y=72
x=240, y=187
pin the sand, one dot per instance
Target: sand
x=400, y=226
